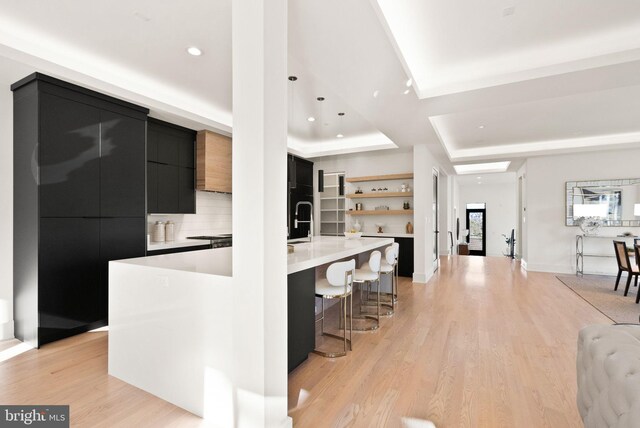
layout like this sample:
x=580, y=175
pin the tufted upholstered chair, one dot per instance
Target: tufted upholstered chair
x=608, y=369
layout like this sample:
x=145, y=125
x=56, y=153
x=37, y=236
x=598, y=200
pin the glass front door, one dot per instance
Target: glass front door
x=476, y=224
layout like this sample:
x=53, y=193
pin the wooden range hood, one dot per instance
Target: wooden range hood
x=213, y=162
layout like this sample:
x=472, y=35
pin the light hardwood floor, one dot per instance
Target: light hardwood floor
x=484, y=344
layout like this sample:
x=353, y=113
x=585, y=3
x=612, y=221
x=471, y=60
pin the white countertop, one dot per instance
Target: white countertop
x=155, y=246
x=218, y=261
x=327, y=249
x=390, y=235
x=211, y=262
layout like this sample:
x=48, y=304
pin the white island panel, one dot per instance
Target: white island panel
x=169, y=333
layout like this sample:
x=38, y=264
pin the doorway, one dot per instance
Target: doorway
x=477, y=227
x=436, y=219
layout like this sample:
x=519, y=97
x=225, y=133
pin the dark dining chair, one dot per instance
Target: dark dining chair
x=636, y=250
x=624, y=265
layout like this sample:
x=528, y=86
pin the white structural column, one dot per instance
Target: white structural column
x=259, y=33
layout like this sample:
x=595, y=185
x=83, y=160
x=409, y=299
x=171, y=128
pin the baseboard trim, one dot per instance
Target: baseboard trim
x=523, y=264
x=422, y=278
x=531, y=267
x=6, y=330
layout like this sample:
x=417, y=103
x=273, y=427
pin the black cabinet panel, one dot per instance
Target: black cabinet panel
x=187, y=147
x=168, y=189
x=120, y=238
x=69, y=296
x=304, y=172
x=122, y=166
x=171, y=187
x=301, y=289
x=168, y=149
x=69, y=158
x=152, y=187
x=186, y=193
x=405, y=259
x=304, y=212
x=300, y=188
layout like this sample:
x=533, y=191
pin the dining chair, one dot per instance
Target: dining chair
x=624, y=265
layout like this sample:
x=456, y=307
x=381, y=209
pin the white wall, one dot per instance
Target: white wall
x=10, y=72
x=550, y=245
x=500, y=200
x=212, y=217
x=363, y=164
x=423, y=165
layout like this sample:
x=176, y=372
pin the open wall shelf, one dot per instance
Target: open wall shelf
x=380, y=212
x=405, y=176
x=380, y=195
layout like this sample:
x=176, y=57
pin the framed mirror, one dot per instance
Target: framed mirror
x=613, y=201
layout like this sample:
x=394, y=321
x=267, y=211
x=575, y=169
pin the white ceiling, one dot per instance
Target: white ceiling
x=552, y=76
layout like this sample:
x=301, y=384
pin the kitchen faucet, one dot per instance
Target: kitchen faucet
x=310, y=221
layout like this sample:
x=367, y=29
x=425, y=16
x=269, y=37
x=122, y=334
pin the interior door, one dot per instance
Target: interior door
x=477, y=226
x=436, y=232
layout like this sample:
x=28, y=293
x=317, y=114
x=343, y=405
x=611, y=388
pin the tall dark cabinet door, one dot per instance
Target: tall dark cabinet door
x=69, y=158
x=122, y=166
x=168, y=189
x=120, y=238
x=68, y=274
x=187, y=202
x=152, y=187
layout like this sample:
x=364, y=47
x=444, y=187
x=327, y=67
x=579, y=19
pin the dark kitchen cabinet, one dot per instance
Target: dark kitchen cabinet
x=168, y=189
x=79, y=201
x=122, y=179
x=69, y=274
x=300, y=188
x=170, y=168
x=301, y=333
x=120, y=238
x=69, y=157
x=405, y=258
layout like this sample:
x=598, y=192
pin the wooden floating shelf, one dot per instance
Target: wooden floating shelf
x=380, y=212
x=406, y=176
x=380, y=195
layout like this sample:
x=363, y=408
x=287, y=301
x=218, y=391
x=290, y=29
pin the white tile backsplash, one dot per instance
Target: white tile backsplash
x=213, y=217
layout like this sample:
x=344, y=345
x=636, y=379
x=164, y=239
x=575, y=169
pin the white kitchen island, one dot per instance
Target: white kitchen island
x=170, y=317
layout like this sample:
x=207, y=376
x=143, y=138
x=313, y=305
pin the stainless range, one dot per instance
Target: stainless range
x=216, y=241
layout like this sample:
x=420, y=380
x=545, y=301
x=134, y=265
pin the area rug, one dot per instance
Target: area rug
x=598, y=291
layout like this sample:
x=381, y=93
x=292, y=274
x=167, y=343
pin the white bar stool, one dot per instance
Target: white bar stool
x=369, y=275
x=389, y=266
x=337, y=285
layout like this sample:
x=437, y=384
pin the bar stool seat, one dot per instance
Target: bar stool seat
x=365, y=274
x=324, y=288
x=388, y=266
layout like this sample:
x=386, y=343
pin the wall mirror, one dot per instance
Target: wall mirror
x=614, y=201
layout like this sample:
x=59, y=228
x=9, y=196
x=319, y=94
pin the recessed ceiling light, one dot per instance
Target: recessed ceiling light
x=339, y=136
x=320, y=98
x=482, y=167
x=194, y=51
x=311, y=119
x=341, y=114
x=481, y=127
x=409, y=82
x=292, y=78
x=406, y=92
x=479, y=178
x=376, y=93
